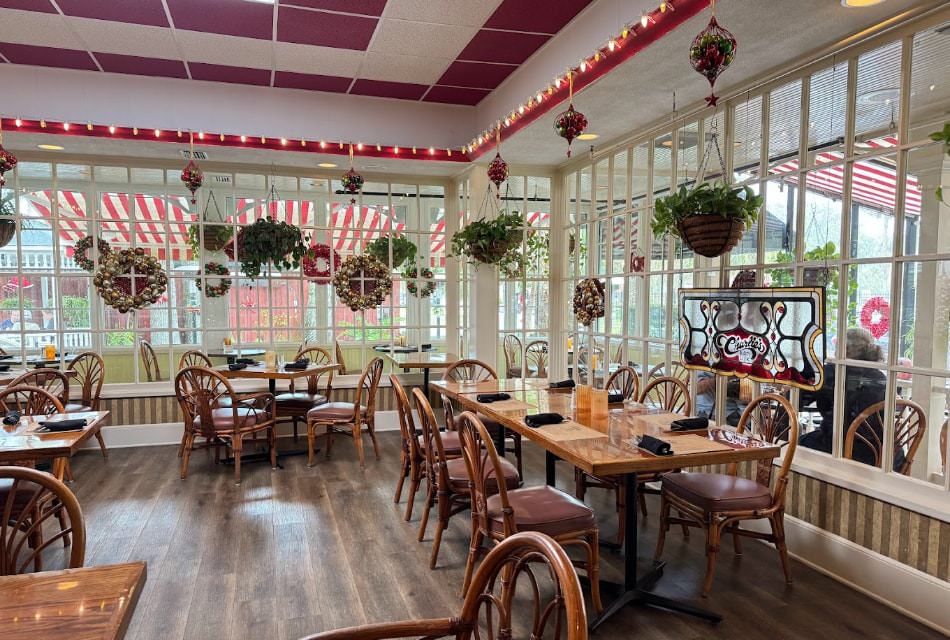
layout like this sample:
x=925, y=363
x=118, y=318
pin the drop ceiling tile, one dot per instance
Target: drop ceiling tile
x=456, y=95
x=227, y=17
x=518, y=15
x=362, y=7
x=47, y=56
x=42, y=6
x=382, y=89
x=136, y=65
x=381, y=66
x=147, y=12
x=324, y=29
x=223, y=73
x=126, y=39
x=41, y=29
x=502, y=46
x=479, y=75
x=301, y=58
x=312, y=82
x=403, y=37
x=231, y=52
x=469, y=13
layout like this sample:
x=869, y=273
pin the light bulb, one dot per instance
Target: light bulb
x=158, y=133
x=359, y=146
x=539, y=96
x=221, y=137
x=431, y=151
x=66, y=126
x=379, y=148
x=644, y=20
x=88, y=126
x=663, y=7
x=201, y=135
x=135, y=131
x=583, y=66
x=521, y=109
x=283, y=141
x=243, y=138
x=611, y=45
x=323, y=145
x=42, y=124
x=19, y=122
x=112, y=129
x=395, y=149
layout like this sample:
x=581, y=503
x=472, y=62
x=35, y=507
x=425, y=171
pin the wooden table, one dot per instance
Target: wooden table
x=427, y=360
x=232, y=356
x=92, y=603
x=612, y=452
x=6, y=377
x=22, y=442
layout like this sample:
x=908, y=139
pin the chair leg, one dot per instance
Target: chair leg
x=778, y=530
x=272, y=442
x=663, y=528
x=642, y=499
x=443, y=521
x=474, y=546
x=236, y=446
x=311, y=436
x=371, y=427
x=186, y=454
x=413, y=488
x=736, y=539
x=580, y=484
x=425, y=514
x=61, y=516
x=102, y=445
x=329, y=439
x=404, y=470
x=181, y=447
x=593, y=570
x=713, y=537
x=518, y=457
x=358, y=441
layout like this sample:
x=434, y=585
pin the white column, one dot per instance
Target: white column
x=483, y=300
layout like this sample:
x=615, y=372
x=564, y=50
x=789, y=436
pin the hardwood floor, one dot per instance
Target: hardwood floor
x=300, y=550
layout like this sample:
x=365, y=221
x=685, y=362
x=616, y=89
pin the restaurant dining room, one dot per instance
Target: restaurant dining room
x=474, y=319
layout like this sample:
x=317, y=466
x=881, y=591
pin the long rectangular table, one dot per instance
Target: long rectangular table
x=609, y=452
x=22, y=441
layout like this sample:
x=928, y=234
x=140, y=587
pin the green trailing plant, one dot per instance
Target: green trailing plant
x=536, y=252
x=827, y=252
x=216, y=236
x=269, y=242
x=7, y=213
x=739, y=203
x=490, y=241
x=403, y=250
x=944, y=137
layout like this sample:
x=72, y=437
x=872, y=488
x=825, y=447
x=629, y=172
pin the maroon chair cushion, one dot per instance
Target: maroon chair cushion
x=450, y=443
x=458, y=475
x=223, y=419
x=299, y=400
x=334, y=411
x=75, y=407
x=717, y=491
x=543, y=509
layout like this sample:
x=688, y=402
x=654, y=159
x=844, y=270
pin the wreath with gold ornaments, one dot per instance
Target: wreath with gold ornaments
x=215, y=290
x=362, y=282
x=129, y=279
x=589, y=301
x=83, y=245
x=414, y=277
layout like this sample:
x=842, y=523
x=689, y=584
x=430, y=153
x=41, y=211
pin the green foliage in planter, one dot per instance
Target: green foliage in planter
x=825, y=253
x=719, y=199
x=270, y=242
x=403, y=250
x=944, y=137
x=490, y=241
x=75, y=312
x=7, y=205
x=220, y=232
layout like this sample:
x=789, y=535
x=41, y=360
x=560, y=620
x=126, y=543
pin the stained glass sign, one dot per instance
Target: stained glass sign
x=770, y=335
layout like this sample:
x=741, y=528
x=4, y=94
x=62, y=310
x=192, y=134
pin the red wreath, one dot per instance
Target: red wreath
x=316, y=255
x=882, y=324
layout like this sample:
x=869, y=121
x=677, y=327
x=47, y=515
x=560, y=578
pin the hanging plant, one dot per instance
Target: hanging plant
x=216, y=237
x=711, y=53
x=589, y=301
x=571, y=123
x=944, y=137
x=489, y=241
x=215, y=290
x=316, y=263
x=709, y=218
x=7, y=163
x=129, y=279
x=268, y=242
x=403, y=250
x=413, y=276
x=83, y=245
x=362, y=282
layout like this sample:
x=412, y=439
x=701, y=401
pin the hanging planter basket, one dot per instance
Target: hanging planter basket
x=710, y=235
x=7, y=232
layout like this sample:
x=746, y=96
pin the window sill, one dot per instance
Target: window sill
x=167, y=388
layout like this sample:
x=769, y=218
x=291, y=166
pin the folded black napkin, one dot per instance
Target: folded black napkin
x=11, y=418
x=689, y=424
x=4, y=367
x=655, y=446
x=563, y=384
x=237, y=366
x=64, y=425
x=541, y=419
x=6, y=356
x=296, y=366
x=492, y=397
x=246, y=361
x=46, y=365
x=427, y=346
x=615, y=398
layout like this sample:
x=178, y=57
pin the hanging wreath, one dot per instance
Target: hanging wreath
x=83, y=261
x=316, y=263
x=362, y=282
x=875, y=316
x=711, y=53
x=413, y=276
x=7, y=162
x=129, y=279
x=215, y=290
x=589, y=301
x=352, y=183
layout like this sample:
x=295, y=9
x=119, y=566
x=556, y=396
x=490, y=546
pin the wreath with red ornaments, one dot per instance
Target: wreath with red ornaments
x=316, y=263
x=875, y=316
x=82, y=260
x=215, y=290
x=414, y=277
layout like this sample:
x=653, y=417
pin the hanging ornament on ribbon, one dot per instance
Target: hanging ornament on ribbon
x=711, y=53
x=352, y=181
x=498, y=169
x=571, y=123
x=191, y=175
x=7, y=160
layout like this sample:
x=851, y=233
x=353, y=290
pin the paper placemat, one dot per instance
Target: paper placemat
x=689, y=443
x=567, y=431
x=508, y=405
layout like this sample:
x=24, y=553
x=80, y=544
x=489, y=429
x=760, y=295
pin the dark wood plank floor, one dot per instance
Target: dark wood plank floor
x=300, y=550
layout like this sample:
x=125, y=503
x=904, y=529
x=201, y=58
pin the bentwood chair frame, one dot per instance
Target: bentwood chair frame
x=28, y=503
x=867, y=428
x=149, y=361
x=49, y=380
x=514, y=355
x=490, y=600
x=626, y=381
x=340, y=360
x=353, y=424
x=200, y=393
x=772, y=419
x=295, y=410
x=472, y=370
x=411, y=458
x=536, y=359
x=90, y=371
x=194, y=358
x=481, y=460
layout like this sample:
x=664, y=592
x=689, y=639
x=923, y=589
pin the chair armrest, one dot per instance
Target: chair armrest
x=434, y=628
x=262, y=401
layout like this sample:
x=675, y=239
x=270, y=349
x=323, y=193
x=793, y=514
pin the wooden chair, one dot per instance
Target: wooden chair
x=490, y=600
x=536, y=359
x=411, y=458
x=149, y=361
x=338, y=350
x=512, y=348
x=669, y=394
x=677, y=371
x=471, y=370
x=194, y=358
x=296, y=403
x=29, y=400
x=943, y=446
x=90, y=374
x=624, y=381
x=448, y=482
x=542, y=509
x=349, y=417
x=866, y=433
x=719, y=502
x=200, y=391
x=49, y=380
x=29, y=500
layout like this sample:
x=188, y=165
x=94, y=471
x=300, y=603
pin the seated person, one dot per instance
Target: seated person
x=706, y=398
